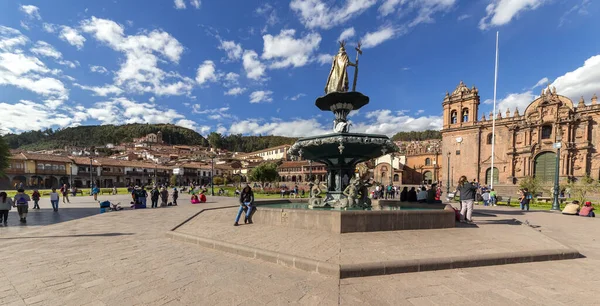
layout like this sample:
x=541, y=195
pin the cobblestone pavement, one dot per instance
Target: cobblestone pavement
x=124, y=258
x=492, y=235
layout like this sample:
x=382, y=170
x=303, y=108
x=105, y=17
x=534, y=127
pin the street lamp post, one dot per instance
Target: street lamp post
x=91, y=170
x=557, y=145
x=212, y=175
x=448, y=176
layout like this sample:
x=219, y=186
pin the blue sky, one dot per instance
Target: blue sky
x=256, y=67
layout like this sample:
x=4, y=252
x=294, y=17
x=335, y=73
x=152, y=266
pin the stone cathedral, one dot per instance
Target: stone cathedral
x=524, y=142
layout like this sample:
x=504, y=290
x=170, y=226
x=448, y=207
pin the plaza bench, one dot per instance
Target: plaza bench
x=548, y=199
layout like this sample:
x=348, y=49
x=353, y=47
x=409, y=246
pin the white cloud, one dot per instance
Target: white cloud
x=39, y=116
x=255, y=70
x=389, y=123
x=179, y=4
x=48, y=27
x=28, y=72
x=373, y=39
x=69, y=64
x=140, y=72
x=195, y=3
x=32, y=11
x=324, y=59
x=122, y=110
x=290, y=128
x=231, y=79
x=45, y=49
x=72, y=36
x=580, y=8
x=102, y=91
x=286, y=51
x=541, y=82
x=347, y=33
x=261, y=96
x=236, y=91
x=463, y=17
x=583, y=81
x=514, y=100
x=234, y=51
x=268, y=12
x=213, y=113
x=501, y=12
x=424, y=9
x=296, y=97
x=11, y=38
x=318, y=14
x=206, y=73
x=99, y=69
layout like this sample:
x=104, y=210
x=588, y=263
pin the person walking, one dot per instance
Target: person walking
x=467, y=198
x=21, y=200
x=154, y=195
x=246, y=202
x=175, y=196
x=54, y=199
x=525, y=199
x=6, y=204
x=164, y=196
x=65, y=193
x=95, y=192
x=36, y=199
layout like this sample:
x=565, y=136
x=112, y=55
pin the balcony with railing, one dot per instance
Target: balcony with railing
x=51, y=171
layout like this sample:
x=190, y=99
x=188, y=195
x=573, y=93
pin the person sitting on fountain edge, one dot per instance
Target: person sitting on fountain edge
x=246, y=201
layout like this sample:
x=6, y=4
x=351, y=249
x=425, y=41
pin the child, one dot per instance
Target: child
x=587, y=210
x=194, y=199
x=36, y=199
x=54, y=199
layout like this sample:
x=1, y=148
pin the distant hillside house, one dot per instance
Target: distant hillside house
x=150, y=138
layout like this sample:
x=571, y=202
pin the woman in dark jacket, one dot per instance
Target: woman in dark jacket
x=404, y=194
x=412, y=195
x=246, y=201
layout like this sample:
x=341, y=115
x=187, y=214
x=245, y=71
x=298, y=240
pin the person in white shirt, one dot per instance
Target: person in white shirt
x=422, y=195
x=54, y=199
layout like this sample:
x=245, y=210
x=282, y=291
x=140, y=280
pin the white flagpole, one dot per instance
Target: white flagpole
x=494, y=116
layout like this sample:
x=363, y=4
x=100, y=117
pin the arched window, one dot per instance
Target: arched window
x=427, y=177
x=488, y=176
x=453, y=117
x=465, y=115
x=396, y=178
x=427, y=161
x=546, y=132
x=40, y=166
x=489, y=138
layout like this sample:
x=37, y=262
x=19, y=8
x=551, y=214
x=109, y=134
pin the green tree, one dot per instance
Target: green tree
x=217, y=180
x=266, y=172
x=580, y=188
x=173, y=180
x=215, y=140
x=4, y=155
x=532, y=184
x=417, y=135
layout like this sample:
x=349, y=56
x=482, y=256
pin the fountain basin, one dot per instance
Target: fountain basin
x=386, y=215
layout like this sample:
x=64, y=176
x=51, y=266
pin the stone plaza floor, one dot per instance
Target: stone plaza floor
x=80, y=257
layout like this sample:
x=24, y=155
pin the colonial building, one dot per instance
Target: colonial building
x=422, y=162
x=524, y=142
x=300, y=171
x=273, y=153
x=388, y=168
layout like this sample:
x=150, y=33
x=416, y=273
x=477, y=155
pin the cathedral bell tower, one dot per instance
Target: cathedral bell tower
x=461, y=107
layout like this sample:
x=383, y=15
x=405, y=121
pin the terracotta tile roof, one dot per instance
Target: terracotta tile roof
x=47, y=157
x=18, y=156
x=301, y=163
x=82, y=160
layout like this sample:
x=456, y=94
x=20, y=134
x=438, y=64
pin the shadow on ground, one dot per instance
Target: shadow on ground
x=70, y=236
x=46, y=216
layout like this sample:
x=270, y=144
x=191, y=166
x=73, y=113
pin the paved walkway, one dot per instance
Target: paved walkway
x=492, y=235
x=123, y=258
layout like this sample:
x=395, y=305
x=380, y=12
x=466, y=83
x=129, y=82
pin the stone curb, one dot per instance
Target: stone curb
x=289, y=261
x=458, y=262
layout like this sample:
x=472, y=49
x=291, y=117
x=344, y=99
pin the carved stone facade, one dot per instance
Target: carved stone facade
x=523, y=142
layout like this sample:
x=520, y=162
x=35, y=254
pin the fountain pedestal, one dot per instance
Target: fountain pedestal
x=341, y=151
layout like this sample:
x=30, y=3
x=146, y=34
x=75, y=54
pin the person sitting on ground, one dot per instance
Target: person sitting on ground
x=195, y=199
x=571, y=208
x=202, y=197
x=587, y=210
x=422, y=195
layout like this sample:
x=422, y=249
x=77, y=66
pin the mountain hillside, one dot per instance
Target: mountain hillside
x=99, y=135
